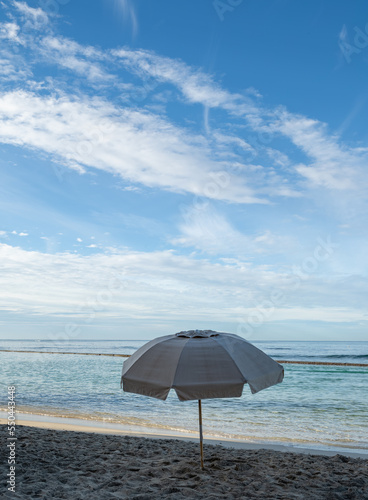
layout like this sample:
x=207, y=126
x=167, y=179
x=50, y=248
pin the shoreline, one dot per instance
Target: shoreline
x=90, y=466
x=114, y=429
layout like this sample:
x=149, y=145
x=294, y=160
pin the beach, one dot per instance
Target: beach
x=60, y=464
x=79, y=436
x=317, y=406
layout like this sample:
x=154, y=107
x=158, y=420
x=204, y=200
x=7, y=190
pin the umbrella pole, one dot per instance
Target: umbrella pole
x=200, y=431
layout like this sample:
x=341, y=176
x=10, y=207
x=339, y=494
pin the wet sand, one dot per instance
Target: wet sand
x=59, y=464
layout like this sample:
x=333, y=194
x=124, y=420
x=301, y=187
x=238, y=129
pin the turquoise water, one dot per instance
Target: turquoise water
x=322, y=406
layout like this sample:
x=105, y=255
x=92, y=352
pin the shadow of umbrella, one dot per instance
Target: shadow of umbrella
x=199, y=364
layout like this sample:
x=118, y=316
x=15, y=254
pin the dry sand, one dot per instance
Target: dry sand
x=55, y=464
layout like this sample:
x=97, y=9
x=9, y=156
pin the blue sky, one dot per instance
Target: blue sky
x=177, y=165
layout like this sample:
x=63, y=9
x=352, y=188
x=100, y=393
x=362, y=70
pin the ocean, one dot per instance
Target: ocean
x=316, y=406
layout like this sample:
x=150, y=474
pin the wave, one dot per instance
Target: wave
x=352, y=356
x=330, y=356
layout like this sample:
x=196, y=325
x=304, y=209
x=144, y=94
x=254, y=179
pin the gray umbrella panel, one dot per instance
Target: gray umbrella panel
x=150, y=371
x=259, y=370
x=213, y=366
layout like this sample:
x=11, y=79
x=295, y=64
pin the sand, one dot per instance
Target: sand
x=59, y=464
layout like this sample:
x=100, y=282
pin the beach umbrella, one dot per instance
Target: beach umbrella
x=199, y=364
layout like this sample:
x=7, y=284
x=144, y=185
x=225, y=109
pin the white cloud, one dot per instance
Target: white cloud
x=137, y=145
x=128, y=137
x=83, y=61
x=12, y=67
x=333, y=166
x=207, y=230
x=10, y=31
x=324, y=314
x=37, y=17
x=278, y=157
x=196, y=86
x=233, y=140
x=9, y=71
x=143, y=146
x=130, y=188
x=23, y=234
x=161, y=285
x=149, y=284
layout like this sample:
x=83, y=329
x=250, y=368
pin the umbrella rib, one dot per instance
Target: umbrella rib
x=231, y=358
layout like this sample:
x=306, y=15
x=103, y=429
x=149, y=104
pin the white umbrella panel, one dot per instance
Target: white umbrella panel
x=199, y=364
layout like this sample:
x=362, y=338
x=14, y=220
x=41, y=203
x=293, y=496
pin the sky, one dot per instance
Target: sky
x=168, y=166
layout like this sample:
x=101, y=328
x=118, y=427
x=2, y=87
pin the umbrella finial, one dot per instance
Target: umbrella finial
x=197, y=334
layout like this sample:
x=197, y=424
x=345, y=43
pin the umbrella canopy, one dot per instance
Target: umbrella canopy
x=199, y=364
